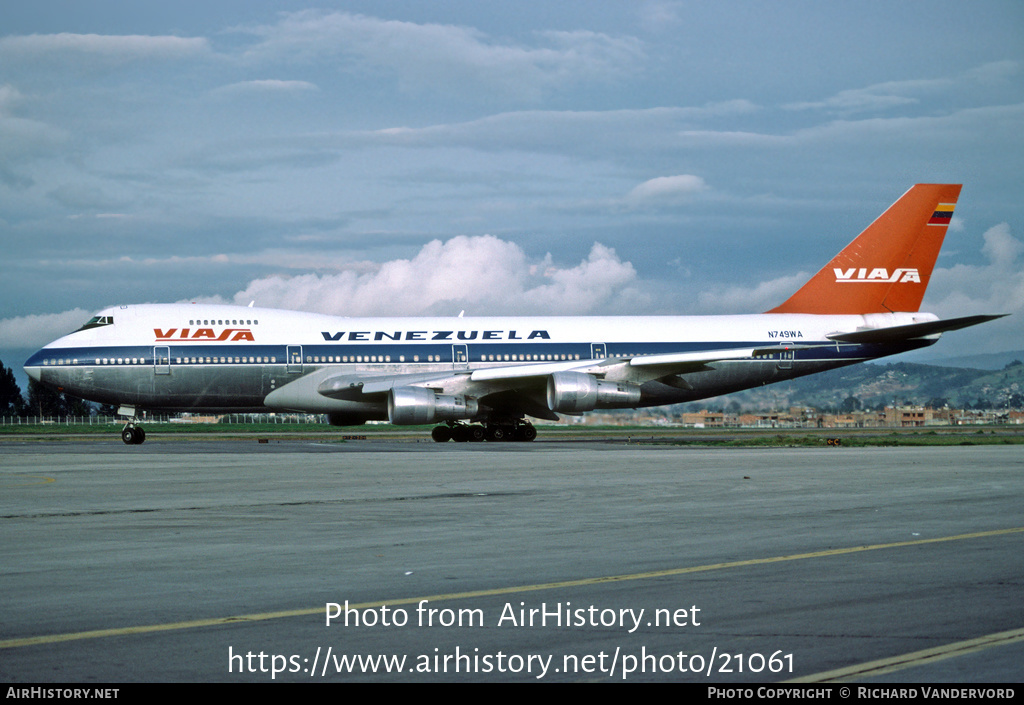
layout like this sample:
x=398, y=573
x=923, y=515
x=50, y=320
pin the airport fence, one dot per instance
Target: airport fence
x=55, y=420
x=97, y=420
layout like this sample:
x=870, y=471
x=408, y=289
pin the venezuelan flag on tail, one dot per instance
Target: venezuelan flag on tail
x=943, y=214
x=888, y=266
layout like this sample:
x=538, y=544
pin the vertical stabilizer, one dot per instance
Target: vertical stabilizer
x=887, y=267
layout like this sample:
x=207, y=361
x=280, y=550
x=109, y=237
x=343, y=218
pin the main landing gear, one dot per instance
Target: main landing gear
x=461, y=433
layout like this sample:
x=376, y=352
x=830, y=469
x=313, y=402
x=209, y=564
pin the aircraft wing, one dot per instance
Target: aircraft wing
x=516, y=387
x=634, y=369
x=909, y=332
x=496, y=379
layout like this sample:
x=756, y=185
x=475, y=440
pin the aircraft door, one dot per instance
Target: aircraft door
x=161, y=360
x=294, y=363
x=597, y=351
x=786, y=359
x=460, y=357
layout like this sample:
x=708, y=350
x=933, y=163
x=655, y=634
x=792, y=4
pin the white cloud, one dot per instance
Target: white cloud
x=23, y=137
x=1001, y=247
x=860, y=99
x=750, y=299
x=586, y=288
x=660, y=16
x=483, y=275
x=877, y=97
x=628, y=129
x=997, y=287
x=22, y=140
x=9, y=96
x=120, y=48
x=36, y=331
x=666, y=190
x=965, y=127
x=426, y=57
x=889, y=94
x=266, y=86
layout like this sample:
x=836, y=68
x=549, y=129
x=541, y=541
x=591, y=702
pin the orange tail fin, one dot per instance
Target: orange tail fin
x=887, y=267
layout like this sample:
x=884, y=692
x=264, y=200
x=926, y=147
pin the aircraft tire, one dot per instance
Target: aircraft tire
x=476, y=433
x=133, y=436
x=441, y=434
x=526, y=433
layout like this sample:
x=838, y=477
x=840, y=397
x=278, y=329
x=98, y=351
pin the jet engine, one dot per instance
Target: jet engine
x=570, y=392
x=416, y=405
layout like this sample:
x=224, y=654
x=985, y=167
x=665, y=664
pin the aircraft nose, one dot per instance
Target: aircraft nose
x=32, y=367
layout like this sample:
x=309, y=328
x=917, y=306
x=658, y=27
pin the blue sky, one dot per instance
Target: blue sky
x=404, y=158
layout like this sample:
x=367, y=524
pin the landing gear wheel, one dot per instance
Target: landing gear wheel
x=526, y=432
x=133, y=435
x=441, y=434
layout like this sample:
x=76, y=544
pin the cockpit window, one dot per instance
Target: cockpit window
x=97, y=321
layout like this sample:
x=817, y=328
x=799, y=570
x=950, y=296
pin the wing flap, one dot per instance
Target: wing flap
x=540, y=369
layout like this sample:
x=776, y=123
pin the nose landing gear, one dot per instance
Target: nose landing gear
x=132, y=434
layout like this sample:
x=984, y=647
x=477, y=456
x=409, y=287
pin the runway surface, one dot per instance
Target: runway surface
x=551, y=561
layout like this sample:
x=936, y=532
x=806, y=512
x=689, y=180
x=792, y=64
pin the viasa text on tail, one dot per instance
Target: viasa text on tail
x=485, y=378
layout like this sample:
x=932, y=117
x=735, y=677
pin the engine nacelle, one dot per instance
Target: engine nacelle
x=416, y=405
x=569, y=392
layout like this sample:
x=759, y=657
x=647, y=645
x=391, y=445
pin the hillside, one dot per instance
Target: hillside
x=876, y=385
x=980, y=361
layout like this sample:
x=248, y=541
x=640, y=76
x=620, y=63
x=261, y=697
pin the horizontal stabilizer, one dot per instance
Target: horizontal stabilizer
x=914, y=330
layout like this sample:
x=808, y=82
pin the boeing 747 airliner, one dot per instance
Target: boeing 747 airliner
x=481, y=378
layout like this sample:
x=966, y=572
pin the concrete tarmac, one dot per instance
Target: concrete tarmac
x=219, y=561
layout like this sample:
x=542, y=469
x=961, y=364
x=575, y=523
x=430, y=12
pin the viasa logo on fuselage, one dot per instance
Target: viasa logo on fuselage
x=877, y=275
x=193, y=335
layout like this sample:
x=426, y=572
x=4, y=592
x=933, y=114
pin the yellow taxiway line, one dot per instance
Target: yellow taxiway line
x=914, y=658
